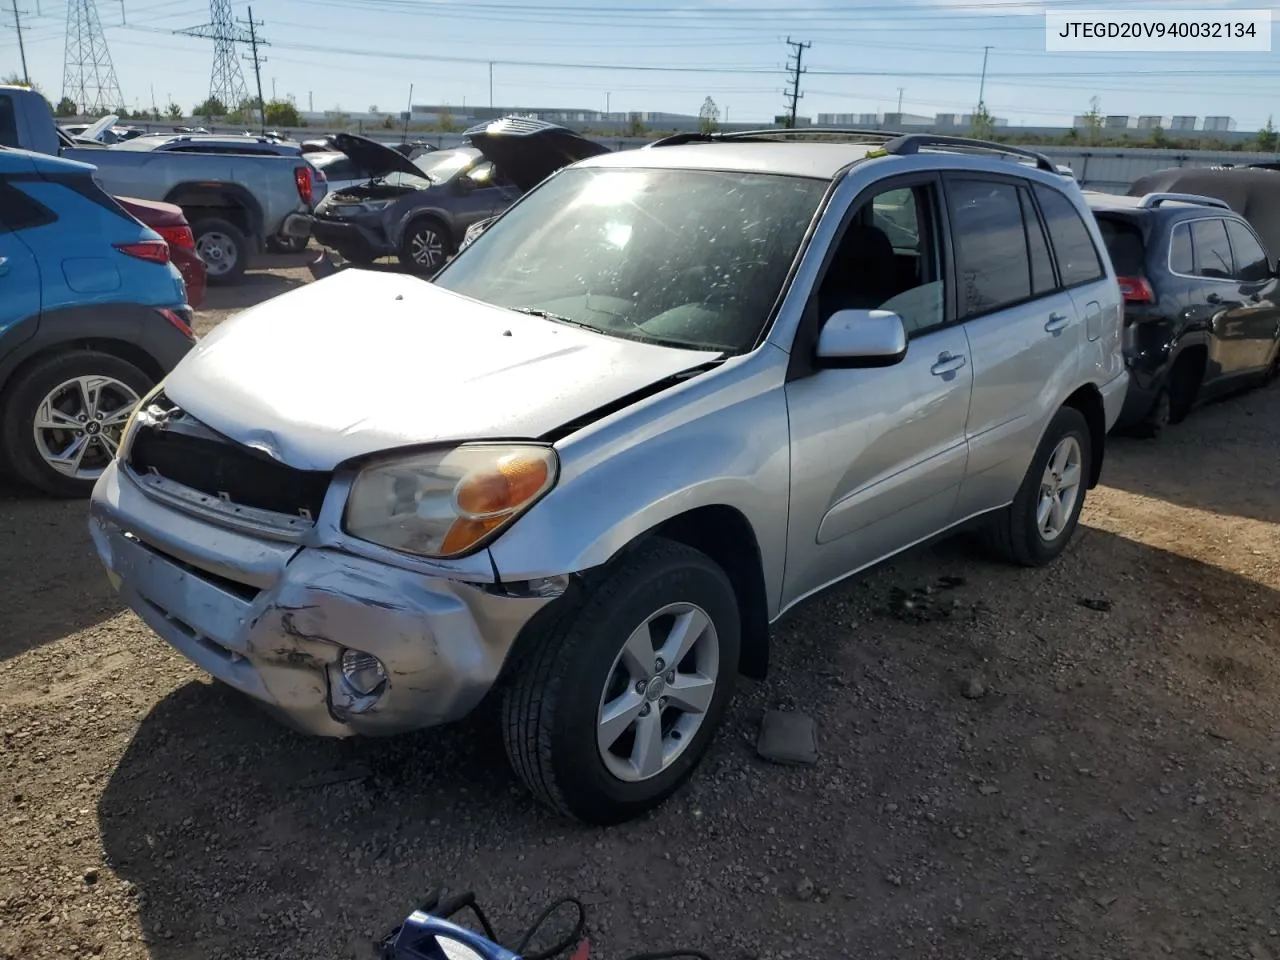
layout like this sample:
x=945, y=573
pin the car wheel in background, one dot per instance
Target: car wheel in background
x=223, y=248
x=1038, y=525
x=426, y=246
x=613, y=706
x=63, y=419
x=288, y=244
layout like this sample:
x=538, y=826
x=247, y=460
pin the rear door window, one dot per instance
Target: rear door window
x=992, y=260
x=1042, y=278
x=1181, y=259
x=1251, y=262
x=1078, y=260
x=1211, y=251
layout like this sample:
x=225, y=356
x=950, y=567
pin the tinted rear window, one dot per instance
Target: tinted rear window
x=1124, y=243
x=8, y=123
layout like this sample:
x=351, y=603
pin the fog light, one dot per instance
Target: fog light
x=363, y=672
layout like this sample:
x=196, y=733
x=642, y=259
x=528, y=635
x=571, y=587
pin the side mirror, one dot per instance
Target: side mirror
x=464, y=184
x=861, y=339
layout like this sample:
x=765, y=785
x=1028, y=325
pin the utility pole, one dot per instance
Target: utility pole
x=796, y=71
x=982, y=84
x=408, y=114
x=22, y=47
x=606, y=103
x=900, y=104
x=490, y=84
x=273, y=88
x=258, y=61
x=123, y=21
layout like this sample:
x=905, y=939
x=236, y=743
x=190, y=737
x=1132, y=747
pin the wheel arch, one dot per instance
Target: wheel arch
x=230, y=201
x=435, y=215
x=1088, y=401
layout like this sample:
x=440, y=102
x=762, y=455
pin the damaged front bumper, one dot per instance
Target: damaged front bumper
x=272, y=617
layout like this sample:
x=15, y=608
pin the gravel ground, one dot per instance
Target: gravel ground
x=1075, y=762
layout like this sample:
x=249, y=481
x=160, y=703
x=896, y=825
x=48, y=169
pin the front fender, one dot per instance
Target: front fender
x=649, y=465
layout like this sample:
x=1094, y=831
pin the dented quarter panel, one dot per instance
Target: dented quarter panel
x=679, y=450
x=363, y=362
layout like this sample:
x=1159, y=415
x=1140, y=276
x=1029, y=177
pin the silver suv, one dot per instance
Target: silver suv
x=668, y=395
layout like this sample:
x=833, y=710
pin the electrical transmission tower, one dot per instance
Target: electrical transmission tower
x=226, y=84
x=795, y=96
x=88, y=76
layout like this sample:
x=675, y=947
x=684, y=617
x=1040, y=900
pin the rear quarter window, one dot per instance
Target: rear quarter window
x=1078, y=260
x=1124, y=243
x=8, y=123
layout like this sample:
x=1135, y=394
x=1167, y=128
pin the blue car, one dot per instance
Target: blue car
x=92, y=315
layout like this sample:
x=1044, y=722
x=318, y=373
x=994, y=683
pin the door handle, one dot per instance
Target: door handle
x=1213, y=298
x=1056, y=322
x=946, y=364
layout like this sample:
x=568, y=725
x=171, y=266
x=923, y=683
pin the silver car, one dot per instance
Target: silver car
x=670, y=394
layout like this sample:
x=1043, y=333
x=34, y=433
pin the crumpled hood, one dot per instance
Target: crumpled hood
x=364, y=361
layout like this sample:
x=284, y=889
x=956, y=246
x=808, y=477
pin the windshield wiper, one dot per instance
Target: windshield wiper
x=555, y=317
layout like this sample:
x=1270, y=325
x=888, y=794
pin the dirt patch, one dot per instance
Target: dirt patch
x=1004, y=770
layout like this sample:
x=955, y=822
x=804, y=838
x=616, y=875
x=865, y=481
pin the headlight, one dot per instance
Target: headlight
x=373, y=206
x=447, y=502
x=130, y=425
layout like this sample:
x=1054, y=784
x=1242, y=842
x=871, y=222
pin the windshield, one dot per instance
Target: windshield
x=441, y=165
x=688, y=258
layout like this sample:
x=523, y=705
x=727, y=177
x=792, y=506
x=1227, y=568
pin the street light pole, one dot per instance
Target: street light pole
x=982, y=84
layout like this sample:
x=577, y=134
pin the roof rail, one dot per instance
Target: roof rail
x=912, y=142
x=1152, y=200
x=769, y=134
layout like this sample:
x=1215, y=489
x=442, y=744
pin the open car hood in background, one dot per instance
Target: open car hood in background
x=375, y=159
x=528, y=151
x=1252, y=192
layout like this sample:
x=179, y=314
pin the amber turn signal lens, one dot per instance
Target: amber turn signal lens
x=512, y=482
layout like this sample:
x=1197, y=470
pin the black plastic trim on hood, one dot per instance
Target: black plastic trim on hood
x=528, y=151
x=621, y=403
x=375, y=159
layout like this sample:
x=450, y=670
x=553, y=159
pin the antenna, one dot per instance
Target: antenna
x=88, y=76
x=226, y=83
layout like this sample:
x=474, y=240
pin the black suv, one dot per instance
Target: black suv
x=1202, y=302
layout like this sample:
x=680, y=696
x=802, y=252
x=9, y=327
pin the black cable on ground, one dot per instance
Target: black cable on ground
x=561, y=946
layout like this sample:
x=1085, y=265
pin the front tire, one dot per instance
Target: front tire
x=613, y=707
x=1038, y=525
x=63, y=419
x=425, y=247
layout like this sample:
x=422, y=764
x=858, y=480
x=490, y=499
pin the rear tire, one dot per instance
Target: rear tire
x=1031, y=532
x=50, y=390
x=1158, y=417
x=1183, y=386
x=223, y=248
x=584, y=695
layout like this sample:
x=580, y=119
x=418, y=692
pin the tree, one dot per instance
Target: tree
x=1093, y=121
x=210, y=110
x=388, y=122
x=1158, y=139
x=173, y=112
x=445, y=121
x=282, y=113
x=635, y=125
x=373, y=108
x=246, y=111
x=338, y=119
x=1266, y=139
x=66, y=108
x=708, y=116
x=981, y=125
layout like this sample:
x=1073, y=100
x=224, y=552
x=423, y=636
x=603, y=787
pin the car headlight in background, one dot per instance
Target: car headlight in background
x=447, y=502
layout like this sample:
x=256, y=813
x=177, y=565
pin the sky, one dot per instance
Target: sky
x=664, y=55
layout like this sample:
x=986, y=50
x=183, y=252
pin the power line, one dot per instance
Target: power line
x=258, y=61
x=88, y=75
x=796, y=71
x=226, y=81
x=22, y=49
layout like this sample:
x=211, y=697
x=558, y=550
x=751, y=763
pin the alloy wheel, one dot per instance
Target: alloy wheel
x=1059, y=488
x=658, y=692
x=78, y=425
x=426, y=247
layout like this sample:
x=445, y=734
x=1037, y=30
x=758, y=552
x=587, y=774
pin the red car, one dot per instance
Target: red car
x=170, y=222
